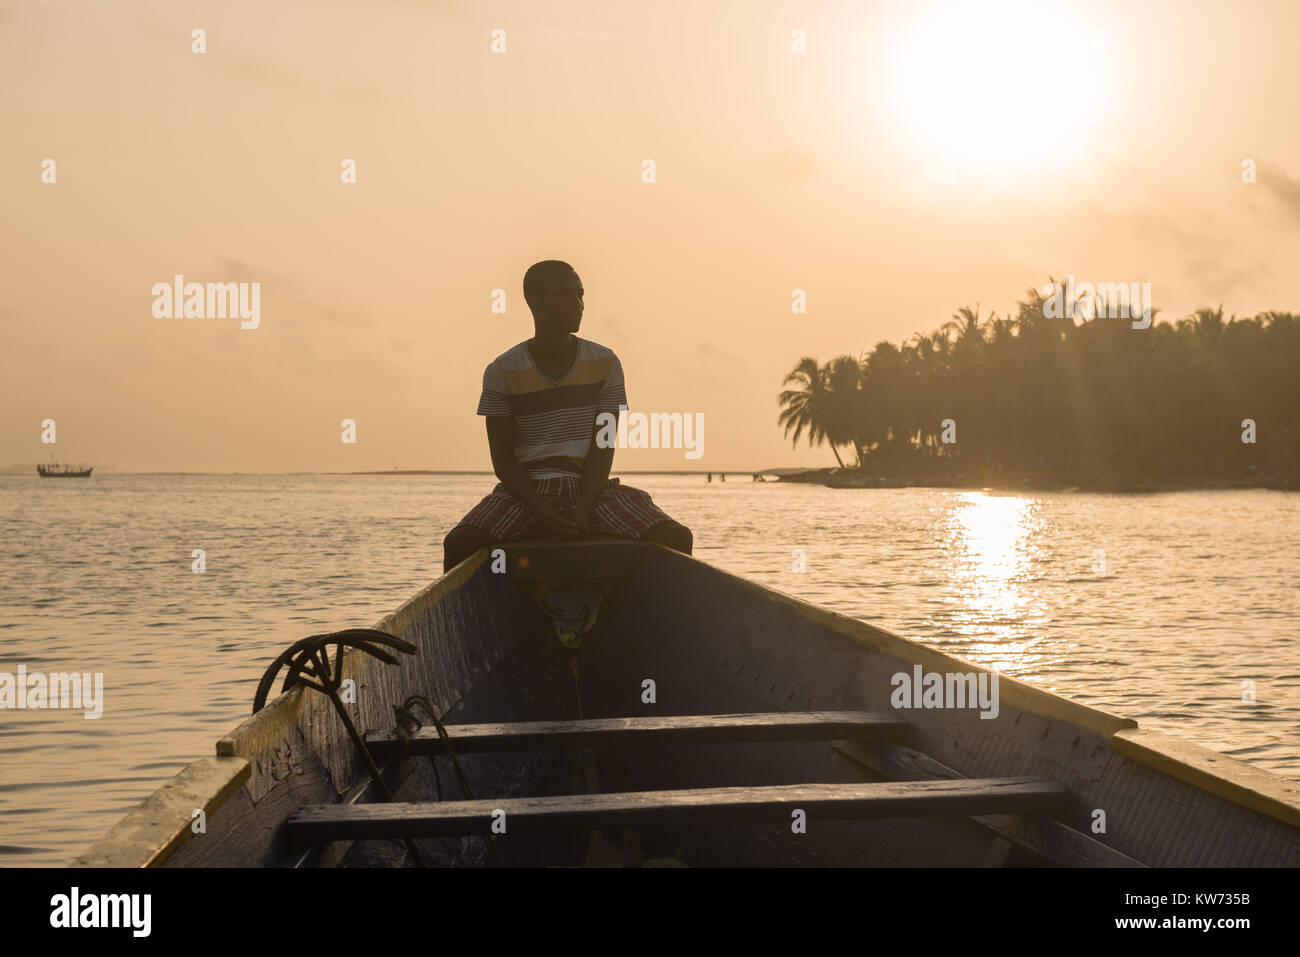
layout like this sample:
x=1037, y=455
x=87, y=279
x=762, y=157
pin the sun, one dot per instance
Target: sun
x=998, y=88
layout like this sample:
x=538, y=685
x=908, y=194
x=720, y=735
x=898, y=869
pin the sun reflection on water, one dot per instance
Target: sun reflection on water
x=991, y=542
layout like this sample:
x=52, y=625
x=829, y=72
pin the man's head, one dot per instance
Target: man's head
x=553, y=292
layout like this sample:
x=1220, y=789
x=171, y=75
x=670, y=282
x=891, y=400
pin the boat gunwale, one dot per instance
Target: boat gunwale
x=1213, y=772
x=168, y=809
x=250, y=737
x=157, y=827
x=1235, y=781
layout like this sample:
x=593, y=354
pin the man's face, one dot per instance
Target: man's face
x=564, y=302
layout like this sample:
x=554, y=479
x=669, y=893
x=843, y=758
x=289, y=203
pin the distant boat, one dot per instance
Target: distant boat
x=54, y=470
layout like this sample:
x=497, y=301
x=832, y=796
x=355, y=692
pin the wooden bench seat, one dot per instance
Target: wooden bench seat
x=640, y=732
x=341, y=822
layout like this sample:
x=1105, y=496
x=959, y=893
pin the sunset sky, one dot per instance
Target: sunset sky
x=920, y=156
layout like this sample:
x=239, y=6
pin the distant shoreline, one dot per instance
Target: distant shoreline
x=849, y=479
x=1038, y=482
x=771, y=473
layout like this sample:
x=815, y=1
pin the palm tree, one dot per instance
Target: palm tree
x=965, y=325
x=928, y=388
x=807, y=407
x=844, y=409
x=1091, y=398
x=886, y=400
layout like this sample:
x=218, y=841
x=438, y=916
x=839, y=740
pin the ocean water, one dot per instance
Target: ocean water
x=1167, y=608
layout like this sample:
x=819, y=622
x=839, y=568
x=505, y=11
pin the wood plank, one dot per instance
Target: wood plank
x=591, y=559
x=640, y=732
x=1041, y=835
x=1219, y=774
x=154, y=830
x=666, y=808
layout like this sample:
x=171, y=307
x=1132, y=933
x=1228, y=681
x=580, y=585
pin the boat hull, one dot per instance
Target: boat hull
x=675, y=636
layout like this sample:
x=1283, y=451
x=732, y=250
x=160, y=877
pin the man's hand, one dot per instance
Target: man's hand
x=557, y=514
x=582, y=518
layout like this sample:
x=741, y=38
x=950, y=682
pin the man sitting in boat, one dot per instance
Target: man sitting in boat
x=541, y=399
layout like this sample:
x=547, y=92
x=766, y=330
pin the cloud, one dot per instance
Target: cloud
x=1273, y=180
x=1214, y=261
x=298, y=295
x=256, y=70
x=586, y=33
x=1219, y=279
x=707, y=350
x=253, y=68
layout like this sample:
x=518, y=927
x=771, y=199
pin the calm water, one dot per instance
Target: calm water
x=1194, y=593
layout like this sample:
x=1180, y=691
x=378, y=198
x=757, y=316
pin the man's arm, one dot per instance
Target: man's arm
x=595, y=470
x=595, y=476
x=501, y=445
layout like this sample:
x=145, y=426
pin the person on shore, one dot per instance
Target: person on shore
x=540, y=400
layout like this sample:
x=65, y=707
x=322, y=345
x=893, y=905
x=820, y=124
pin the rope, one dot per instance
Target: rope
x=406, y=712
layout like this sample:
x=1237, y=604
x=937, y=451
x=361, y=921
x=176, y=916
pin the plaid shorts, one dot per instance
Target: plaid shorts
x=621, y=511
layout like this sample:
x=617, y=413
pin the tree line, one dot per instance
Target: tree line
x=1086, y=397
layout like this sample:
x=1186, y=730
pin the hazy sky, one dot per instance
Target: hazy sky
x=918, y=157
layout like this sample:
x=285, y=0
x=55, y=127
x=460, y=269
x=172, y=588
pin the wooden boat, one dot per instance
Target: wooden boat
x=702, y=720
x=54, y=470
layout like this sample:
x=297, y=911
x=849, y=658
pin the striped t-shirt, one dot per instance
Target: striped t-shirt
x=554, y=418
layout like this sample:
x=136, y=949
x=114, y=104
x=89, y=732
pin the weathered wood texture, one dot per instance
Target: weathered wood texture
x=1242, y=783
x=638, y=732
x=586, y=811
x=711, y=644
x=1037, y=834
x=726, y=645
x=159, y=827
x=485, y=652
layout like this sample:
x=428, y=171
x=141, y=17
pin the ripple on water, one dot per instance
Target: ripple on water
x=1195, y=597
